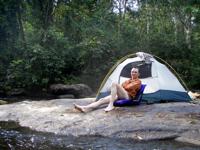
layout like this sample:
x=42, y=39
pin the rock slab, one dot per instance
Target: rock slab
x=180, y=121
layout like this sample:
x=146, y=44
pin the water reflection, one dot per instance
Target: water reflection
x=14, y=137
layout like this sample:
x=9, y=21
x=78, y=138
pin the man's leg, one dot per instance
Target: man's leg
x=117, y=91
x=93, y=105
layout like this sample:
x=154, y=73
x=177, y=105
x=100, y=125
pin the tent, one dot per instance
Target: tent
x=161, y=84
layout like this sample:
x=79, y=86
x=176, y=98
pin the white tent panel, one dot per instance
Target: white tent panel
x=153, y=85
x=167, y=80
x=154, y=72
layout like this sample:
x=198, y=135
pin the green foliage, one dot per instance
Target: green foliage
x=39, y=67
x=45, y=42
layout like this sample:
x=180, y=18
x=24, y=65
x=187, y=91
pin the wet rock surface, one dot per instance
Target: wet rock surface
x=180, y=121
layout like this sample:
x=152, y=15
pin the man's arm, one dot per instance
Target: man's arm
x=133, y=85
x=125, y=83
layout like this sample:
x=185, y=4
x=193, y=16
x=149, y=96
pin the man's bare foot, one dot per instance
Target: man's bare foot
x=79, y=108
x=109, y=108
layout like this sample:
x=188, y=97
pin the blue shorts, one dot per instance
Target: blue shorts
x=125, y=102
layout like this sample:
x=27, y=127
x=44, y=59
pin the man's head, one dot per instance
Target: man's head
x=134, y=73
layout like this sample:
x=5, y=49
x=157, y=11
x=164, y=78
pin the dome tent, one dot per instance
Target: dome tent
x=162, y=84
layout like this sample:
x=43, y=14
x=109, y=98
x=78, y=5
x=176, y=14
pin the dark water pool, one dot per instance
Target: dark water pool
x=14, y=137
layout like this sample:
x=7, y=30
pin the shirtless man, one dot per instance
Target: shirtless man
x=127, y=90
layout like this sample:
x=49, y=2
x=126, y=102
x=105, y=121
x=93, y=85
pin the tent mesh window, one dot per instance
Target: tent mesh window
x=144, y=69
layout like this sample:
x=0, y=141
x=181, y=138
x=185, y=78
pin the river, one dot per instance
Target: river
x=14, y=137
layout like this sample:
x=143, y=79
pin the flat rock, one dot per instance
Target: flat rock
x=179, y=121
x=191, y=137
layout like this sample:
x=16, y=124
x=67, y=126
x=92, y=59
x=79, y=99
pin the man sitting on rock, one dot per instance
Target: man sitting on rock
x=127, y=90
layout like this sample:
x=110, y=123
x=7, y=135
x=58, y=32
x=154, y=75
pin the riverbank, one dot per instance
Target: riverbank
x=178, y=121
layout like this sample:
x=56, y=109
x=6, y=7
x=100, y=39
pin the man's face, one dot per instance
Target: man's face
x=134, y=73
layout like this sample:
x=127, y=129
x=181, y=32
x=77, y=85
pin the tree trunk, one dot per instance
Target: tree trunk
x=125, y=9
x=148, y=19
x=148, y=12
x=47, y=8
x=175, y=23
x=21, y=28
x=188, y=30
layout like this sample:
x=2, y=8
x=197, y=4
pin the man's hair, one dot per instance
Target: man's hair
x=134, y=68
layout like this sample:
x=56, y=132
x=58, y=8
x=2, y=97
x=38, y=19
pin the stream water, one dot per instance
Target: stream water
x=14, y=137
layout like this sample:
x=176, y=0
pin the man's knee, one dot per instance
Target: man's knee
x=114, y=84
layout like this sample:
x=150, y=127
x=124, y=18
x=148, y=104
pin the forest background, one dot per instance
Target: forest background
x=77, y=41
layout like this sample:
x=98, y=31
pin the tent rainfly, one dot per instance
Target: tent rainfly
x=161, y=84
